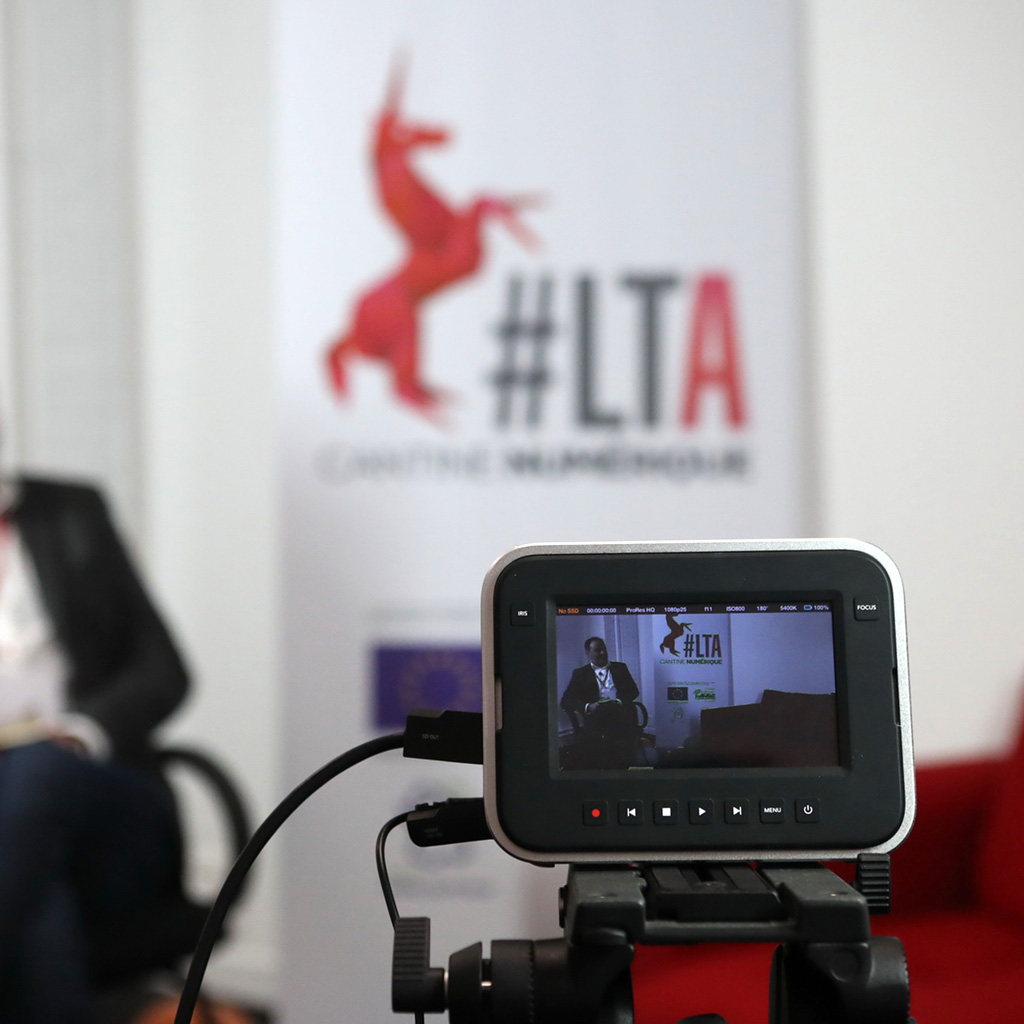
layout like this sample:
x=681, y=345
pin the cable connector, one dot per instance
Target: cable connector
x=453, y=821
x=445, y=736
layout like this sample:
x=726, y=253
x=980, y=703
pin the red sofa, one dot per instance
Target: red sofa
x=958, y=907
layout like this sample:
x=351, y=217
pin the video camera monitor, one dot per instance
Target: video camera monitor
x=696, y=701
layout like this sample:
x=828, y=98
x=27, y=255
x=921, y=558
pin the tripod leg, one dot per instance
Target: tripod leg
x=798, y=994
x=840, y=983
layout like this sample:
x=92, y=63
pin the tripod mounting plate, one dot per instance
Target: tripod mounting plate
x=712, y=903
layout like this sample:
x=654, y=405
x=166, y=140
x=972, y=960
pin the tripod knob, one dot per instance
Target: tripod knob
x=874, y=881
x=416, y=987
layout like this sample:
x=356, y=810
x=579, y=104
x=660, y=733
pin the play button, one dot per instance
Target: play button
x=702, y=812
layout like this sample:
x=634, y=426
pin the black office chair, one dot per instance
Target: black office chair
x=609, y=735
x=162, y=936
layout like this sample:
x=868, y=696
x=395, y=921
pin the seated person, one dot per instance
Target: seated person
x=598, y=681
x=599, y=702
x=87, y=670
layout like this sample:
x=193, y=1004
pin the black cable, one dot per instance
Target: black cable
x=385, y=881
x=233, y=882
x=382, y=868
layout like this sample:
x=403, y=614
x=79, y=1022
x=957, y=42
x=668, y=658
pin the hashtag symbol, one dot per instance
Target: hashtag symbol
x=688, y=644
x=524, y=352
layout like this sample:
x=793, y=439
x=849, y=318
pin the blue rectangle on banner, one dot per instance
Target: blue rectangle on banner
x=427, y=677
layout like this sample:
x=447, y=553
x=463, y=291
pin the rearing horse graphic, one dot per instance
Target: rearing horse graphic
x=444, y=247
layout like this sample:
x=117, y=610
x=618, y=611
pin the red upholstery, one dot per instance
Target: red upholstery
x=958, y=906
x=1000, y=881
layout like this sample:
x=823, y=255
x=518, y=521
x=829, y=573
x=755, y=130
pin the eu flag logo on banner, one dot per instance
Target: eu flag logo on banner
x=425, y=677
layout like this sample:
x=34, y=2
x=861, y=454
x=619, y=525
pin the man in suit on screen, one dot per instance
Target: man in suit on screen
x=598, y=681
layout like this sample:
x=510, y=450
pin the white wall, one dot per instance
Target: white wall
x=202, y=111
x=71, y=374
x=915, y=126
x=916, y=130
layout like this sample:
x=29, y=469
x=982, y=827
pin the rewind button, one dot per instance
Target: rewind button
x=631, y=812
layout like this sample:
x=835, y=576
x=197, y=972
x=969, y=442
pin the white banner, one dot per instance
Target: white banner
x=539, y=280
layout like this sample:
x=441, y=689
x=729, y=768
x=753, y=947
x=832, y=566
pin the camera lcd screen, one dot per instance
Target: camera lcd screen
x=696, y=700
x=695, y=685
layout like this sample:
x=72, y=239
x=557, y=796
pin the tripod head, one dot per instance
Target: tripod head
x=827, y=970
x=522, y=980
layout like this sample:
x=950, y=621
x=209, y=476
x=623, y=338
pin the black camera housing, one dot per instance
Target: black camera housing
x=819, y=766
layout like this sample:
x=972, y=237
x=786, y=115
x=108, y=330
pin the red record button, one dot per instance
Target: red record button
x=595, y=812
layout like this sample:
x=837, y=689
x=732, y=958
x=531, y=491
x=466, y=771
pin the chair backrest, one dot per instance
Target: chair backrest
x=783, y=729
x=162, y=934
x=615, y=721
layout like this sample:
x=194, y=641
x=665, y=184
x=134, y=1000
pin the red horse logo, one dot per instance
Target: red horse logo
x=444, y=247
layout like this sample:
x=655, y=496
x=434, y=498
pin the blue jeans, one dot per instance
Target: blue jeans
x=81, y=843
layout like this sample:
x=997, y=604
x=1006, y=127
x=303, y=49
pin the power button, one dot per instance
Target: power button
x=807, y=810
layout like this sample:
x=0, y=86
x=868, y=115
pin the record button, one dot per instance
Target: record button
x=595, y=812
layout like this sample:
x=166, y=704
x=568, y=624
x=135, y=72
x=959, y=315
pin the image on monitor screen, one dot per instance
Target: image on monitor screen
x=695, y=685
